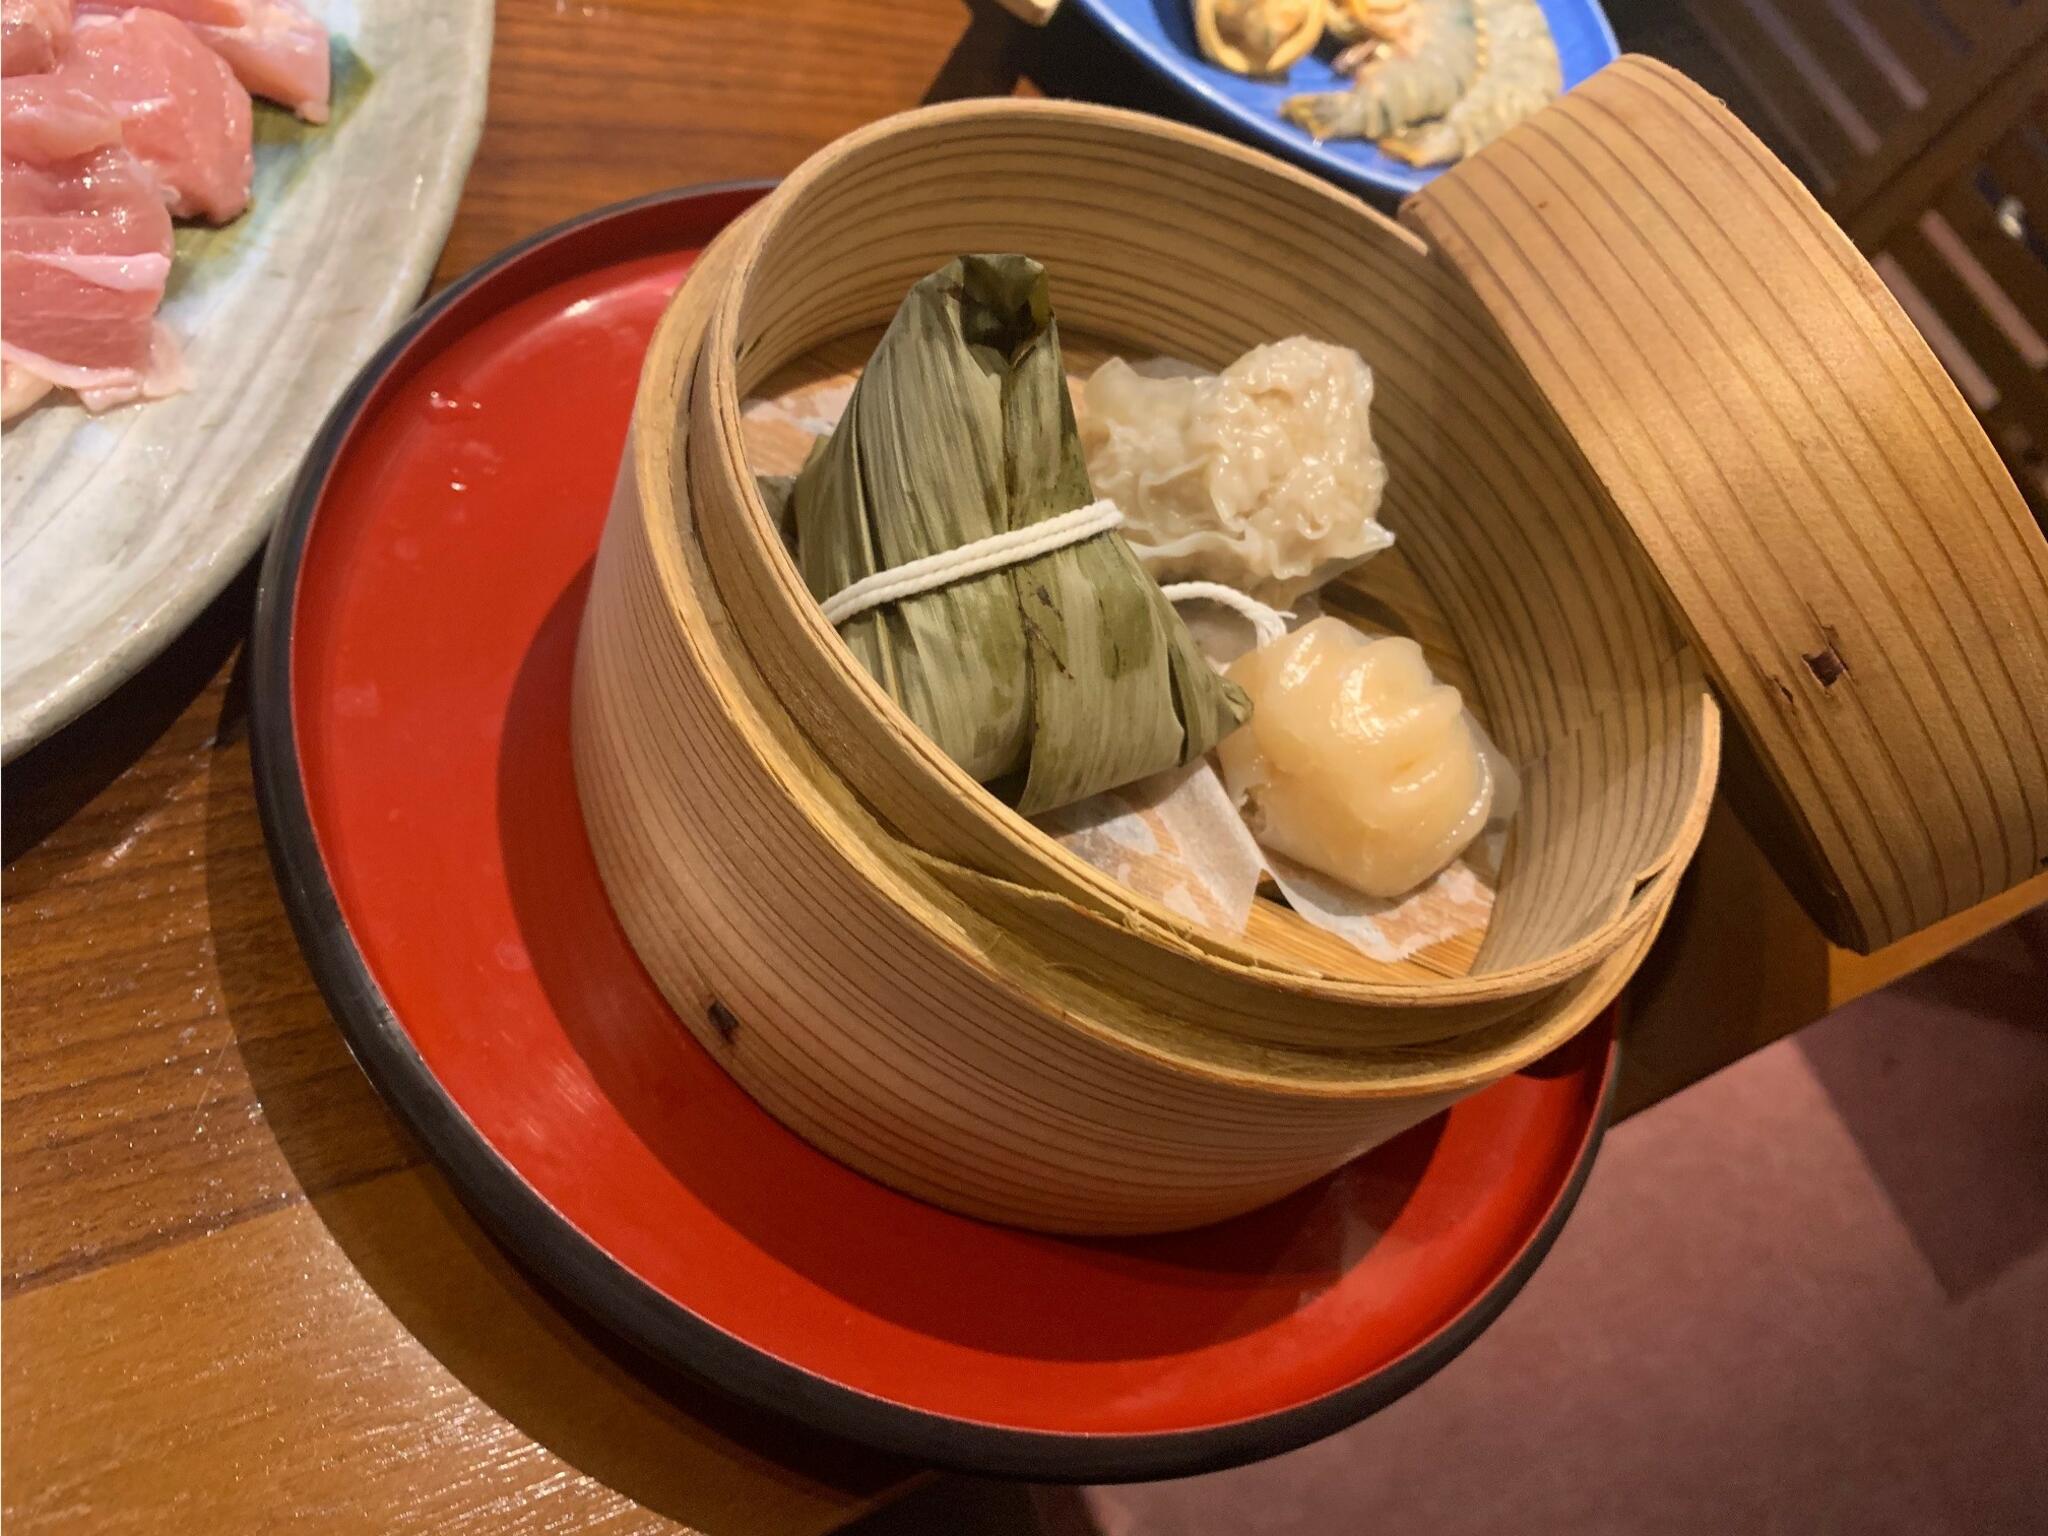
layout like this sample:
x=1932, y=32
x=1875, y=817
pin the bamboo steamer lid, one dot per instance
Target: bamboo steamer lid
x=1850, y=559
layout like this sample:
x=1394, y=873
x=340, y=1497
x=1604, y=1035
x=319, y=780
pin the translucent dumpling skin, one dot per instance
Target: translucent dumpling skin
x=1356, y=761
x=1263, y=477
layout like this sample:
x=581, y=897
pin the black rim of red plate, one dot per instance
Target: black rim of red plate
x=567, y=1262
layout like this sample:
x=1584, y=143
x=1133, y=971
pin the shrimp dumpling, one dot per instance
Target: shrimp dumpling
x=1356, y=761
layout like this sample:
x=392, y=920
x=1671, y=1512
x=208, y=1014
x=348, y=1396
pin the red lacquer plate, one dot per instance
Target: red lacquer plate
x=411, y=668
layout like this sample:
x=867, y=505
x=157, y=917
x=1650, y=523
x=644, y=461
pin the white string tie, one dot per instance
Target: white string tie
x=973, y=559
x=1269, y=624
x=998, y=550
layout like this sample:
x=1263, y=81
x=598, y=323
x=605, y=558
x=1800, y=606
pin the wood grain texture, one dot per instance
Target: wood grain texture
x=229, y=1282
x=1750, y=37
x=161, y=1070
x=1864, y=583
x=375, y=1364
x=176, y=1097
x=941, y=1073
x=593, y=103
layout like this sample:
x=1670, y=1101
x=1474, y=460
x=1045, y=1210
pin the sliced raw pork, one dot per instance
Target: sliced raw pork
x=280, y=54
x=19, y=389
x=221, y=13
x=46, y=118
x=275, y=49
x=85, y=246
x=32, y=34
x=182, y=112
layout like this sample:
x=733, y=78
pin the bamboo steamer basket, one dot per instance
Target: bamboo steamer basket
x=840, y=976
x=819, y=260
x=916, y=980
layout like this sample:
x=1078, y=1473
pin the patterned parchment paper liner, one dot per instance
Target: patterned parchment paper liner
x=1177, y=837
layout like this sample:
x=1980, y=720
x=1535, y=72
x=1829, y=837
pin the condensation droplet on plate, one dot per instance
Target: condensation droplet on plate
x=448, y=408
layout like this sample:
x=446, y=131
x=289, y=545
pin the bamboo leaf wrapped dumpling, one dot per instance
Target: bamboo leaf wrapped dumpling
x=1049, y=680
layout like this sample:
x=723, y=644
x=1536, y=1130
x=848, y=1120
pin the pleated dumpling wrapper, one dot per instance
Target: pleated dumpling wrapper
x=1263, y=477
x=1357, y=761
x=1048, y=680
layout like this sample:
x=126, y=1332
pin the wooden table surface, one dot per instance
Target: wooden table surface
x=235, y=1296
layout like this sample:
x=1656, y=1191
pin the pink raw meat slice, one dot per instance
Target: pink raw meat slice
x=183, y=114
x=32, y=34
x=220, y=13
x=275, y=49
x=164, y=374
x=19, y=389
x=280, y=54
x=85, y=246
x=49, y=117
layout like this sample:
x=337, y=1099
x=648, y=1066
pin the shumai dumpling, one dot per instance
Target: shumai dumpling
x=1263, y=477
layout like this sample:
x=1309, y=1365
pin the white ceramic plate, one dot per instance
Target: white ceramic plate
x=116, y=530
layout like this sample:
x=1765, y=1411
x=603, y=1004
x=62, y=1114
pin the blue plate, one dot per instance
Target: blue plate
x=1162, y=34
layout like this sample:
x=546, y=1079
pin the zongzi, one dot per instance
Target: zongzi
x=1050, y=679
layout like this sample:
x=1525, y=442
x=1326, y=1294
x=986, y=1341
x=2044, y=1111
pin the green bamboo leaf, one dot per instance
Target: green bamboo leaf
x=1051, y=680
